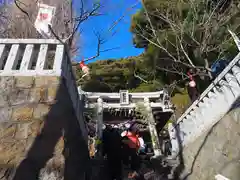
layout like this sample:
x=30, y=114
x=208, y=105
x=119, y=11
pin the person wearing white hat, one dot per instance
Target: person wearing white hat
x=126, y=127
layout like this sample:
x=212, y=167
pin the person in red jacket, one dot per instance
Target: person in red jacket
x=131, y=145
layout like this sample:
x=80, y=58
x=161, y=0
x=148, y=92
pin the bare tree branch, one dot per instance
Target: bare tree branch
x=156, y=36
x=137, y=76
x=195, y=34
x=100, y=40
x=20, y=8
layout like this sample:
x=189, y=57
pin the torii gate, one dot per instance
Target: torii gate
x=125, y=104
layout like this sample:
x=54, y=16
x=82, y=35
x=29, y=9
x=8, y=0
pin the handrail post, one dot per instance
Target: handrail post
x=99, y=127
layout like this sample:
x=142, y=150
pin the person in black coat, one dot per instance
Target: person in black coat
x=112, y=148
x=192, y=86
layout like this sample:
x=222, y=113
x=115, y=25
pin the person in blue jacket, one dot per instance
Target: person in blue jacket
x=218, y=66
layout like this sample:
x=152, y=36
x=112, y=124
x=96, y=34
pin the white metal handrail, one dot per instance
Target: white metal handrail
x=209, y=108
x=216, y=81
x=210, y=87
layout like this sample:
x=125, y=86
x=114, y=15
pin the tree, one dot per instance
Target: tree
x=178, y=35
x=113, y=75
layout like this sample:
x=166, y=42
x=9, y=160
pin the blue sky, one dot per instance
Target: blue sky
x=112, y=10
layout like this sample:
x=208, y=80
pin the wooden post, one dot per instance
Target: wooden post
x=152, y=128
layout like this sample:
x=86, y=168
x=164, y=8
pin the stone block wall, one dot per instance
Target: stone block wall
x=36, y=119
x=215, y=152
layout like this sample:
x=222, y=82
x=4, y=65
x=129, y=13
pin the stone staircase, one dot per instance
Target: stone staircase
x=211, y=106
x=206, y=137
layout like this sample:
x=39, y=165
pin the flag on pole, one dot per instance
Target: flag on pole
x=44, y=19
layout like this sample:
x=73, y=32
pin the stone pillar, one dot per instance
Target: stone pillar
x=99, y=129
x=152, y=128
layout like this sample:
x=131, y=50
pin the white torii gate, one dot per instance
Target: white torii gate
x=129, y=102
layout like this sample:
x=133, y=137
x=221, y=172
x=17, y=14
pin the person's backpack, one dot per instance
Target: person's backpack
x=218, y=66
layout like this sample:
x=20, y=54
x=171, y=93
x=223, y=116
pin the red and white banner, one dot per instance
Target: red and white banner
x=44, y=19
x=84, y=68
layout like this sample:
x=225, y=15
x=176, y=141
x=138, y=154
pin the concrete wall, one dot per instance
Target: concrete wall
x=216, y=151
x=35, y=112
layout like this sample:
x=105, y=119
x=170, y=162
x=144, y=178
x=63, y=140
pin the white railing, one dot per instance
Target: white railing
x=211, y=106
x=28, y=57
x=41, y=57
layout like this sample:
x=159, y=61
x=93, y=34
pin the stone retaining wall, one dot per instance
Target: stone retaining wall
x=35, y=113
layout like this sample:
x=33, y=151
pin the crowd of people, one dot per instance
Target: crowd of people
x=122, y=148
